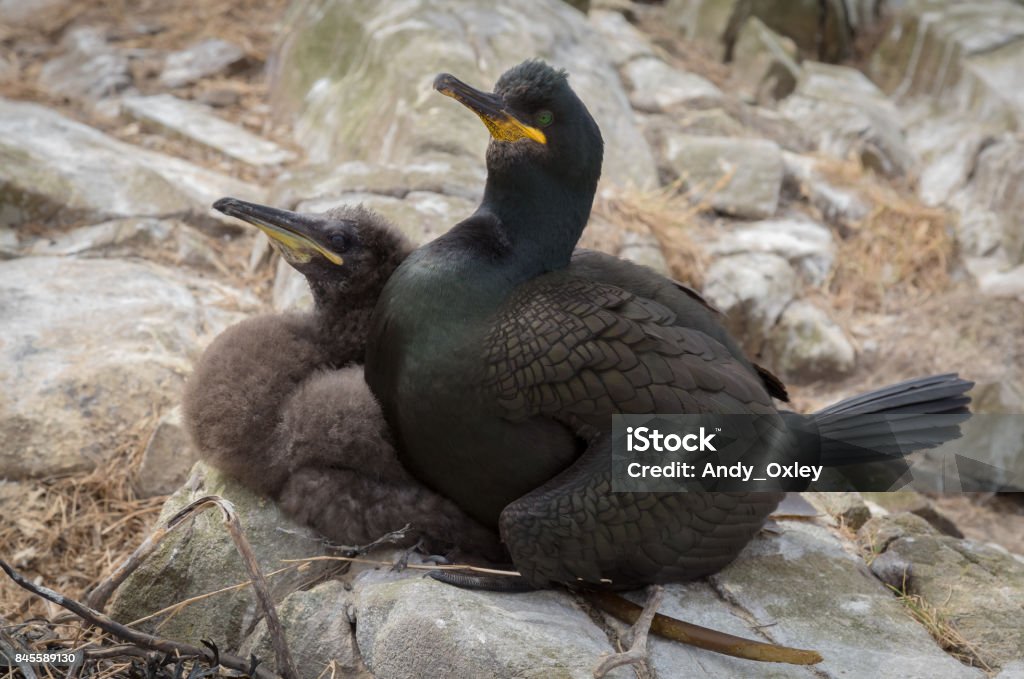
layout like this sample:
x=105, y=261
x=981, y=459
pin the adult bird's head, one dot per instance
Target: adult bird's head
x=345, y=253
x=536, y=121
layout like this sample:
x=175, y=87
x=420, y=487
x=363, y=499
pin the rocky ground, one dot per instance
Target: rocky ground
x=858, y=221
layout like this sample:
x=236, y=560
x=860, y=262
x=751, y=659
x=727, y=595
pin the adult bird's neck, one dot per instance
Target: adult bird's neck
x=541, y=218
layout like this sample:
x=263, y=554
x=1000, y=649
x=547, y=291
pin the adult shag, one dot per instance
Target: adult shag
x=279, y=401
x=498, y=363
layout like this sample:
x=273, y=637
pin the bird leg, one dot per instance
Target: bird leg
x=402, y=562
x=636, y=637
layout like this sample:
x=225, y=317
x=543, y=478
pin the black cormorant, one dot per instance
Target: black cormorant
x=279, y=401
x=498, y=364
x=269, y=405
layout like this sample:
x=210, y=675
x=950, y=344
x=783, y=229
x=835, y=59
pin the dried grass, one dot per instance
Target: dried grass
x=110, y=658
x=68, y=531
x=671, y=215
x=941, y=628
x=897, y=256
x=167, y=24
x=151, y=28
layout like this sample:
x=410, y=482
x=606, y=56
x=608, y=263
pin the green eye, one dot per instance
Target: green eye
x=545, y=118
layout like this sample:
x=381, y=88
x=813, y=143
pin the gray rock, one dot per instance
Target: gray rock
x=765, y=67
x=962, y=54
x=97, y=344
x=917, y=504
x=703, y=21
x=434, y=172
x=420, y=215
x=751, y=289
x=201, y=558
x=994, y=280
x=114, y=238
x=808, y=246
x=659, y=128
x=167, y=458
x=995, y=67
x=848, y=115
x=416, y=627
x=201, y=60
x=740, y=177
x=623, y=42
x=880, y=531
x=839, y=205
x=1014, y=670
x=847, y=508
x=979, y=230
x=163, y=239
x=828, y=80
x=948, y=146
x=198, y=123
x=654, y=86
x=57, y=169
x=808, y=345
x=959, y=60
x=977, y=588
x=10, y=245
x=381, y=78
x=317, y=630
x=290, y=290
x=89, y=68
x=809, y=592
x=997, y=172
x=259, y=253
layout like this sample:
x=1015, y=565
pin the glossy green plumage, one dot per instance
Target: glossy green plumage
x=499, y=357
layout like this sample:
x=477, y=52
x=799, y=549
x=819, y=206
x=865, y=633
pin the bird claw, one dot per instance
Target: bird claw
x=636, y=637
x=402, y=562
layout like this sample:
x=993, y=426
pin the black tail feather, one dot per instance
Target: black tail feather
x=890, y=422
x=924, y=395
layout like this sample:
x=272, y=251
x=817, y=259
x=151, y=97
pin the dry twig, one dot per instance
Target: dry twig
x=702, y=637
x=174, y=648
x=99, y=596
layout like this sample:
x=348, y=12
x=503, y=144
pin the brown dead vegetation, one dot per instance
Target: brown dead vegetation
x=670, y=216
x=901, y=253
x=150, y=28
x=69, y=531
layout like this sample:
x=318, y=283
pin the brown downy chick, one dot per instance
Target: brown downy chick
x=279, y=402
